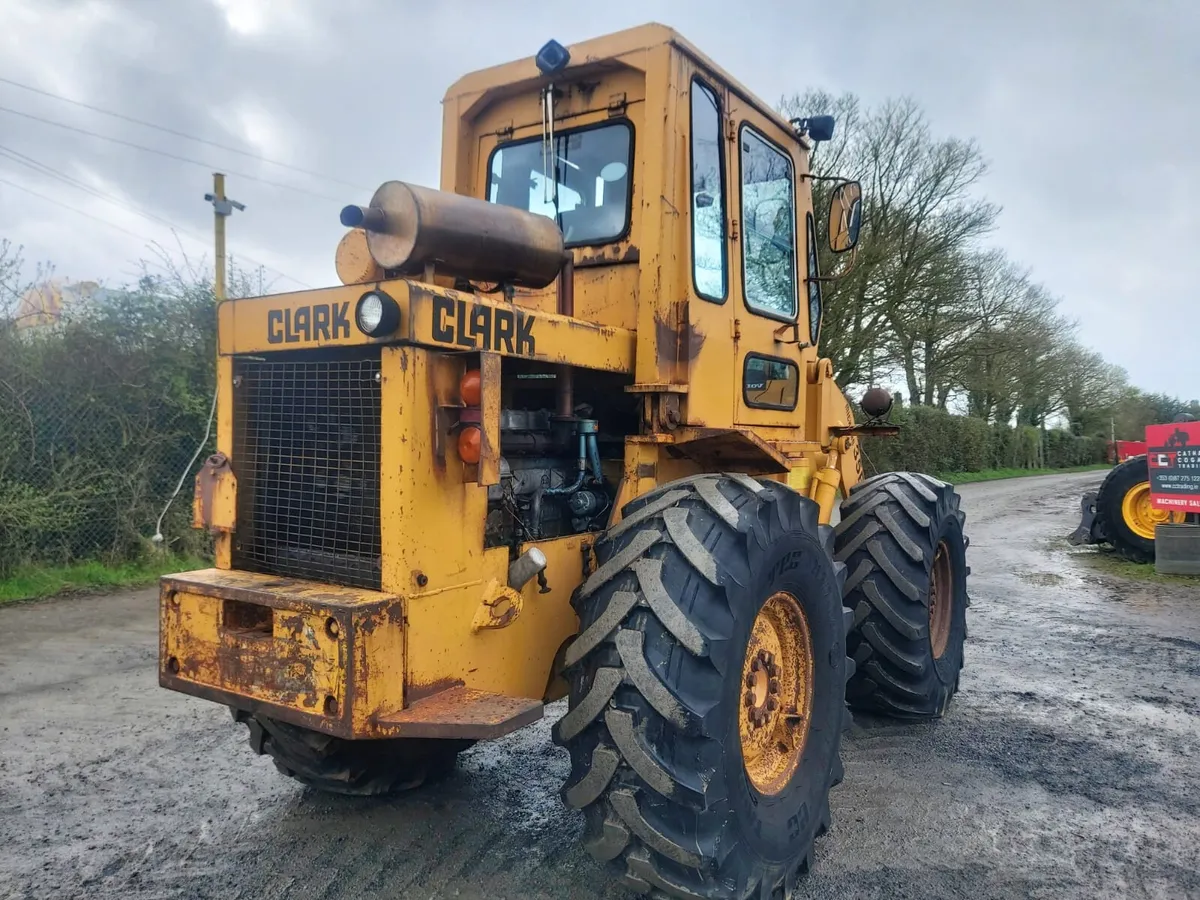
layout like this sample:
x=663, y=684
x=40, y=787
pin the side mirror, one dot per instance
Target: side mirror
x=845, y=216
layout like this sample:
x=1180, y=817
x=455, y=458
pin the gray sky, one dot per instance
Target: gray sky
x=1086, y=110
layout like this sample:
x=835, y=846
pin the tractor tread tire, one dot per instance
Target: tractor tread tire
x=648, y=670
x=362, y=768
x=1110, y=520
x=888, y=535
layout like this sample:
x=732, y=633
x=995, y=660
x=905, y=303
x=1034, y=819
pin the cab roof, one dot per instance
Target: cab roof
x=524, y=72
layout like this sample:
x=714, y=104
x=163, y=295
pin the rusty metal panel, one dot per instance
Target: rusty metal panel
x=462, y=712
x=489, y=457
x=325, y=657
x=214, y=503
x=730, y=450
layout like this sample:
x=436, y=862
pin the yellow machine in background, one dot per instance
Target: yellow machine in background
x=565, y=431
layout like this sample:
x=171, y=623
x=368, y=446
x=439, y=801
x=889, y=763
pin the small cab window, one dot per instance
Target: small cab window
x=709, y=263
x=582, y=182
x=768, y=226
x=770, y=383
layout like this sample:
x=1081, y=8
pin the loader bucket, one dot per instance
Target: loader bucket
x=1084, y=534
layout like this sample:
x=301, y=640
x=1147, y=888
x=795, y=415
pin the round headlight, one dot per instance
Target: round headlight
x=376, y=314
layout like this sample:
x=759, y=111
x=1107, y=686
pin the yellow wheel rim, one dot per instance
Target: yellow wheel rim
x=1140, y=516
x=777, y=694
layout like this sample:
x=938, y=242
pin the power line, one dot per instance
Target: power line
x=140, y=237
x=21, y=187
x=195, y=162
x=182, y=134
x=44, y=169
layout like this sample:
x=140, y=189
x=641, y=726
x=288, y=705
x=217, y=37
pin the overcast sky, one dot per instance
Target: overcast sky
x=1087, y=112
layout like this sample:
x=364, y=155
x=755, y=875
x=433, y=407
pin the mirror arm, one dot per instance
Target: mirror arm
x=810, y=177
x=846, y=271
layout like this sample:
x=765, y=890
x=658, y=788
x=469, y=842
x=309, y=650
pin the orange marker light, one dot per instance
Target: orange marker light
x=471, y=388
x=469, y=441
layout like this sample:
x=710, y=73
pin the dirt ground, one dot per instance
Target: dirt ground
x=1069, y=766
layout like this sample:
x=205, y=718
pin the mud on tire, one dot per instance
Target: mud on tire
x=891, y=530
x=656, y=682
x=339, y=766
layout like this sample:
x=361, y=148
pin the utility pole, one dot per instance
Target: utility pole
x=223, y=207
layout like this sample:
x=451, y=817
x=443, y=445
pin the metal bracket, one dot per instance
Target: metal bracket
x=499, y=608
x=223, y=206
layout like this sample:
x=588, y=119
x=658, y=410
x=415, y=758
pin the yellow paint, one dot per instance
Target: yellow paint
x=636, y=314
x=514, y=660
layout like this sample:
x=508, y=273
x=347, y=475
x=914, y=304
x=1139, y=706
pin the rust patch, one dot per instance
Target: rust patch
x=367, y=624
x=416, y=692
x=611, y=255
x=277, y=593
x=209, y=481
x=647, y=470
x=287, y=673
x=677, y=339
x=395, y=613
x=462, y=712
x=315, y=721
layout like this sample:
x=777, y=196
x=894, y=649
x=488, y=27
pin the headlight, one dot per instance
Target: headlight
x=376, y=314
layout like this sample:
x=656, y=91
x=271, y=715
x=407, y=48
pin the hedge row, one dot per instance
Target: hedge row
x=99, y=417
x=935, y=441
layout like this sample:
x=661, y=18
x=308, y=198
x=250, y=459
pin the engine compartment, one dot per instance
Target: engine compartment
x=558, y=474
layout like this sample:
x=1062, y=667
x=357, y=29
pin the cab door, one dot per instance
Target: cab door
x=767, y=269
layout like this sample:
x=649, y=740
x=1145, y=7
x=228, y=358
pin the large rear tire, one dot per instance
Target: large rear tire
x=707, y=696
x=338, y=766
x=901, y=538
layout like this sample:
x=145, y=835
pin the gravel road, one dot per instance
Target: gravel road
x=1069, y=766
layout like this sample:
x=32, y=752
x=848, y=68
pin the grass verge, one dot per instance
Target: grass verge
x=1109, y=563
x=31, y=583
x=998, y=474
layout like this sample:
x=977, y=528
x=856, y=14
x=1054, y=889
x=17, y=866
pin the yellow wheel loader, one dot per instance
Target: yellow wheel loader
x=565, y=431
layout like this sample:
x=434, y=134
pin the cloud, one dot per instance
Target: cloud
x=1083, y=109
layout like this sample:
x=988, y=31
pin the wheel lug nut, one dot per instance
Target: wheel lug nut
x=749, y=698
x=773, y=686
x=755, y=664
x=750, y=681
x=772, y=704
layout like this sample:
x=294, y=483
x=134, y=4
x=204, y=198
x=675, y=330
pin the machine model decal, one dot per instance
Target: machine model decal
x=482, y=327
x=319, y=322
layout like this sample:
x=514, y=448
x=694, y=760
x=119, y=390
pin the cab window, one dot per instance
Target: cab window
x=709, y=262
x=769, y=382
x=768, y=226
x=583, y=184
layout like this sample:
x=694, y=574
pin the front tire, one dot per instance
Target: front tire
x=701, y=757
x=901, y=538
x=1124, y=516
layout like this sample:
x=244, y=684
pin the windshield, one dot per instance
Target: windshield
x=588, y=189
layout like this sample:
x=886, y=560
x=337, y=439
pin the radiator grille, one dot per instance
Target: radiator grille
x=306, y=455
